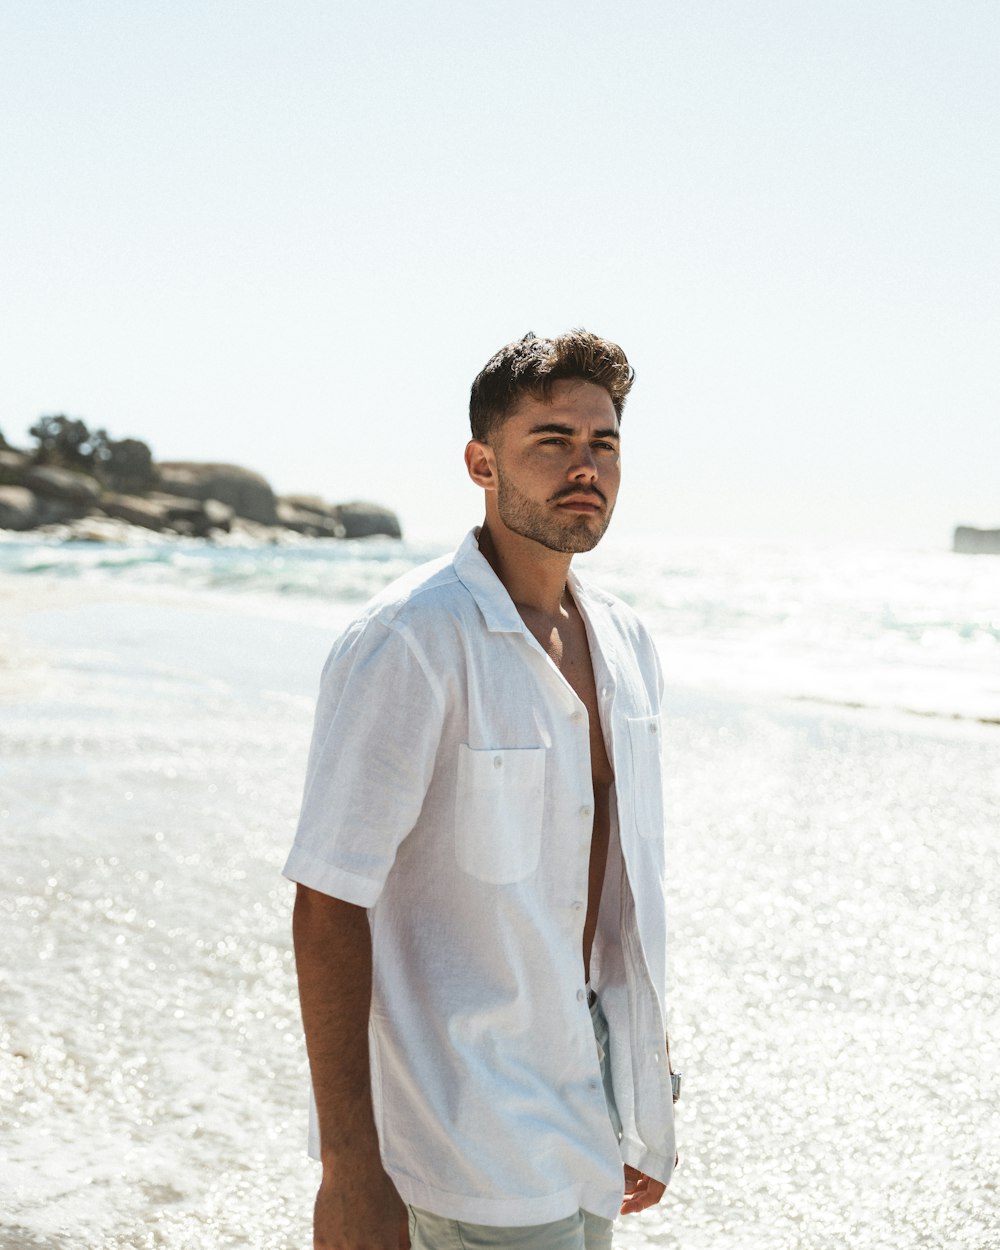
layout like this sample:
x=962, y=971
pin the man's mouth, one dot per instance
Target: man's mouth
x=581, y=501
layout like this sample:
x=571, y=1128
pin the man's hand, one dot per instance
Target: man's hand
x=641, y=1191
x=370, y=1217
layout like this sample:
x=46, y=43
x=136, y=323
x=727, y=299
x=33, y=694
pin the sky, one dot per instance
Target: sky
x=289, y=234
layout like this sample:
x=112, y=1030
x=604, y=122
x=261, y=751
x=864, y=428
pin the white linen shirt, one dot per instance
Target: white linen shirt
x=449, y=791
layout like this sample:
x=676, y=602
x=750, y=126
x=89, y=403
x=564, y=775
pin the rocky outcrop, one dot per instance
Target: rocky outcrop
x=313, y=521
x=247, y=493
x=63, y=484
x=358, y=519
x=13, y=465
x=18, y=508
x=170, y=513
x=137, y=511
x=197, y=517
x=362, y=520
x=196, y=500
x=971, y=541
x=23, y=509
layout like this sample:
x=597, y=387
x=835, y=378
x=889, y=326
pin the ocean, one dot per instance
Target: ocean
x=833, y=723
x=908, y=630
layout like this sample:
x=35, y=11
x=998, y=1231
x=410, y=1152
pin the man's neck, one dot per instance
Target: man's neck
x=533, y=576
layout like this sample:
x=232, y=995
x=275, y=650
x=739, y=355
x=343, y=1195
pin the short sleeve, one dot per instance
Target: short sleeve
x=375, y=740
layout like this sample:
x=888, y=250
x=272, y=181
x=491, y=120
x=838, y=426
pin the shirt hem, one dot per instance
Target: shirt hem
x=648, y=1162
x=318, y=875
x=507, y=1212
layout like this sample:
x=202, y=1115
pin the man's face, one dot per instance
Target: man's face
x=558, y=467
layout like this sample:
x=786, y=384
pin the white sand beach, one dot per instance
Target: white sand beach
x=835, y=944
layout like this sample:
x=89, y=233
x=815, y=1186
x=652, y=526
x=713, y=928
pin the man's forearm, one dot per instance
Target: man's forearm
x=357, y=1207
x=333, y=957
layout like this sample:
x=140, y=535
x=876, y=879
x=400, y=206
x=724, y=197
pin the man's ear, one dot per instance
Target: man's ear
x=480, y=463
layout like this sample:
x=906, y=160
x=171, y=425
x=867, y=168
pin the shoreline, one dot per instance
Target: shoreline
x=47, y=593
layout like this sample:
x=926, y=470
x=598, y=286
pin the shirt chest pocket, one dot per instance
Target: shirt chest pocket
x=647, y=778
x=499, y=804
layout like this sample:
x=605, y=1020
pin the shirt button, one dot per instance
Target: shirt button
x=580, y=996
x=652, y=728
x=497, y=761
x=586, y=811
x=576, y=715
x=577, y=905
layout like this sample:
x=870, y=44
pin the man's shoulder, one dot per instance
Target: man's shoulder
x=422, y=596
x=614, y=611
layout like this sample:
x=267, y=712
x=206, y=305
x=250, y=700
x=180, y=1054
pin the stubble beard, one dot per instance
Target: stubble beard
x=567, y=533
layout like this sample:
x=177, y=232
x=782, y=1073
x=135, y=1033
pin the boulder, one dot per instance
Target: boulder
x=306, y=521
x=136, y=511
x=129, y=469
x=19, y=508
x=247, y=493
x=362, y=520
x=170, y=512
x=22, y=509
x=970, y=541
x=176, y=507
x=311, y=503
x=51, y=511
x=218, y=515
x=62, y=484
x=13, y=466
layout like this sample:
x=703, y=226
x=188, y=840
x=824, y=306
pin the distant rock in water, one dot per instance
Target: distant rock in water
x=969, y=541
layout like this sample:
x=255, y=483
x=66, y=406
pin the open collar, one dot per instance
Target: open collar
x=491, y=596
x=493, y=599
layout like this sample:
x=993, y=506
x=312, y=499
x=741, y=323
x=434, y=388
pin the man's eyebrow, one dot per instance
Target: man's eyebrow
x=569, y=431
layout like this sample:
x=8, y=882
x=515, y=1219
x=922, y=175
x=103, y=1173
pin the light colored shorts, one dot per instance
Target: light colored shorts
x=582, y=1231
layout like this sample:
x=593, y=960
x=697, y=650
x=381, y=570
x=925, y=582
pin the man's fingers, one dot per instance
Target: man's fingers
x=632, y=1178
x=645, y=1192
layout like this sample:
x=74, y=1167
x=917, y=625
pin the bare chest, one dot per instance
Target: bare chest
x=567, y=646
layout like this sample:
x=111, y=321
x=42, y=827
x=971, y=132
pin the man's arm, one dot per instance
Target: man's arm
x=357, y=1205
x=643, y=1191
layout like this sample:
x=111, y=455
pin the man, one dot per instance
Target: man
x=479, y=923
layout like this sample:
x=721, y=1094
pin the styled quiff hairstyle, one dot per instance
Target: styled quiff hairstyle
x=531, y=366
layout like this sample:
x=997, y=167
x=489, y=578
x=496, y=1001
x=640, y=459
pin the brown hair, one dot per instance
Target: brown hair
x=530, y=367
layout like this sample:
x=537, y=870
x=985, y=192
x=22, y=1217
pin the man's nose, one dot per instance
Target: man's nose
x=585, y=467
